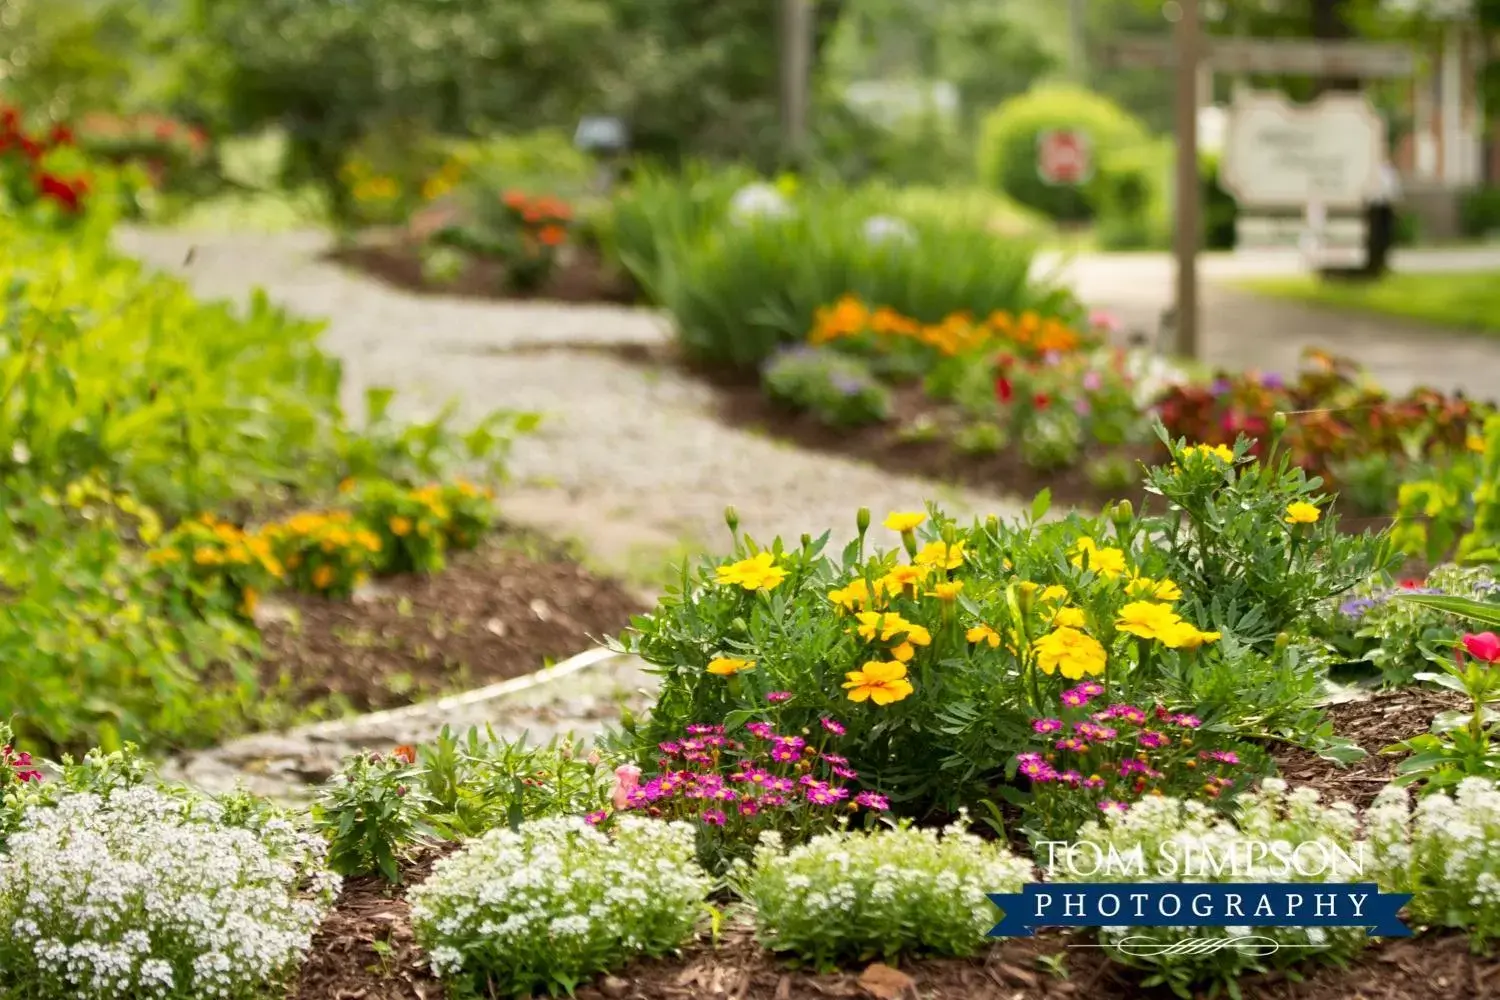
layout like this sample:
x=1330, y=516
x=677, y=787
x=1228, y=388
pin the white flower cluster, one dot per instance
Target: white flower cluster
x=149, y=895
x=557, y=900
x=1275, y=836
x=1446, y=851
x=758, y=201
x=850, y=894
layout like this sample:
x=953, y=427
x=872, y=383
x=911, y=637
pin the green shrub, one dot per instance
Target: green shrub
x=854, y=896
x=1130, y=192
x=1220, y=210
x=554, y=902
x=373, y=813
x=1007, y=152
x=739, y=290
x=836, y=388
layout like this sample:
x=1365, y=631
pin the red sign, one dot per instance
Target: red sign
x=1062, y=157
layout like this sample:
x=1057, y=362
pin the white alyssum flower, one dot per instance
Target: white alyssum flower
x=850, y=894
x=758, y=201
x=150, y=895
x=557, y=900
x=1446, y=851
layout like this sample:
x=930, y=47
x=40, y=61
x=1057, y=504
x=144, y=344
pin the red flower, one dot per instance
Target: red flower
x=1041, y=401
x=1483, y=646
x=1410, y=583
x=61, y=136
x=1003, y=389
x=32, y=150
x=60, y=191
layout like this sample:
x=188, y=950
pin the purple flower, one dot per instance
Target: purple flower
x=1045, y=726
x=671, y=749
x=595, y=818
x=1271, y=380
x=826, y=795
x=835, y=759
x=778, y=784
x=846, y=773
x=1220, y=386
x=833, y=726
x=761, y=729
x=749, y=807
x=1028, y=758
x=771, y=801
x=1073, y=698
x=1222, y=756
x=1093, y=381
x=1127, y=712
x=703, y=729
x=870, y=800
x=1070, y=778
x=783, y=752
x=1109, y=807
x=1357, y=607
x=1090, y=731
x=1151, y=740
x=713, y=817
x=1074, y=744
x=1082, y=407
x=1093, y=781
x=1038, y=770
x=1187, y=721
x=777, y=696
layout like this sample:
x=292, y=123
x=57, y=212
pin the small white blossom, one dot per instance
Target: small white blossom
x=758, y=201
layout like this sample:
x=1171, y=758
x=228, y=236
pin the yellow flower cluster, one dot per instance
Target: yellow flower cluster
x=448, y=177
x=1302, y=512
x=1220, y=451
x=884, y=683
x=759, y=572
x=1069, y=651
x=328, y=550
x=1108, y=563
x=958, y=333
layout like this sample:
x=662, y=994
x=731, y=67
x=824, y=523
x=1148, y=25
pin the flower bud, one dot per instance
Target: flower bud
x=732, y=518
x=1282, y=641
x=1278, y=423
x=806, y=540
x=862, y=521
x=1122, y=513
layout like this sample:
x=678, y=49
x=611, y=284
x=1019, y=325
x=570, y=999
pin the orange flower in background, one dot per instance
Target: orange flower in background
x=406, y=753
x=514, y=199
x=552, y=235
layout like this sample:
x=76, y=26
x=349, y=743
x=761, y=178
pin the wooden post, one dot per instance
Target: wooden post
x=1078, y=57
x=796, y=67
x=1189, y=50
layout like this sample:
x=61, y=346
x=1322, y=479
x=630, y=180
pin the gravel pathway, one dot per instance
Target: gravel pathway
x=629, y=461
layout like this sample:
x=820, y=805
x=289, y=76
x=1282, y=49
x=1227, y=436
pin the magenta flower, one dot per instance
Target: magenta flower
x=826, y=795
x=833, y=726
x=1187, y=721
x=627, y=780
x=1074, y=744
x=1127, y=712
x=783, y=753
x=595, y=818
x=713, y=817
x=703, y=729
x=1093, y=781
x=1151, y=739
x=670, y=749
x=1028, y=758
x=847, y=774
x=1045, y=726
x=1070, y=778
x=1093, y=381
x=778, y=696
x=1090, y=731
x=835, y=759
x=871, y=800
x=1073, y=698
x=749, y=807
x=1222, y=756
x=779, y=784
x=1109, y=807
x=761, y=729
x=1038, y=770
x=771, y=801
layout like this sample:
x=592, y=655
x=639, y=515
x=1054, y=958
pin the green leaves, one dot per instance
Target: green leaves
x=1480, y=612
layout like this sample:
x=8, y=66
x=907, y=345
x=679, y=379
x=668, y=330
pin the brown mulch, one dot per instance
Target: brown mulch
x=581, y=275
x=1385, y=719
x=492, y=614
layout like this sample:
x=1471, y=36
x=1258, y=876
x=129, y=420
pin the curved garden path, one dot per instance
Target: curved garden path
x=629, y=461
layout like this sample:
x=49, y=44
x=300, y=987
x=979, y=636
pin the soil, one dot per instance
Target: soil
x=365, y=949
x=495, y=613
x=1375, y=724
x=581, y=275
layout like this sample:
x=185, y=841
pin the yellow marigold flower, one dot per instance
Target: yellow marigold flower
x=1145, y=588
x=904, y=652
x=941, y=555
x=1147, y=620
x=206, y=557
x=1219, y=451
x=852, y=596
x=226, y=532
x=1068, y=618
x=322, y=577
x=1070, y=652
x=904, y=522
x=882, y=683
x=948, y=590
x=983, y=633
x=1108, y=563
x=903, y=577
x=1055, y=593
x=1302, y=512
x=727, y=666
x=400, y=526
x=1474, y=442
x=759, y=572
x=162, y=556
x=1184, y=635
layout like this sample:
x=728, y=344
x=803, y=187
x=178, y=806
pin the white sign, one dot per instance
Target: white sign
x=1253, y=232
x=1283, y=155
x=600, y=133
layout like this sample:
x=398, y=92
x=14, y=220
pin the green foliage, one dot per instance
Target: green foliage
x=882, y=894
x=1479, y=213
x=478, y=782
x=1232, y=540
x=373, y=814
x=1008, y=146
x=836, y=388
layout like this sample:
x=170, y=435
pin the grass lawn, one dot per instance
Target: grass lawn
x=1461, y=300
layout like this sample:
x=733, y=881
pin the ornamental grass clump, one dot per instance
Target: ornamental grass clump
x=1172, y=840
x=1446, y=851
x=855, y=896
x=143, y=893
x=556, y=901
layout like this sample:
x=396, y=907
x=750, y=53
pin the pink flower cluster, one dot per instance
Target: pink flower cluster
x=712, y=777
x=20, y=764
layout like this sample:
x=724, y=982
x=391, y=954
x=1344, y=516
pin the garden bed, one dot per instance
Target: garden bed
x=581, y=275
x=365, y=950
x=499, y=612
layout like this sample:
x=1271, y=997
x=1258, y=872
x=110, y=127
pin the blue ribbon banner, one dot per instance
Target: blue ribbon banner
x=1209, y=904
